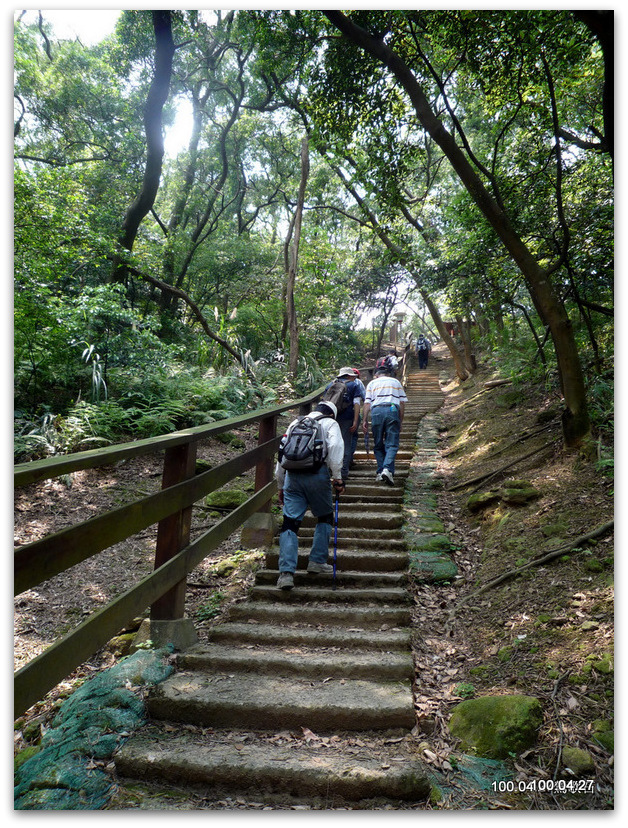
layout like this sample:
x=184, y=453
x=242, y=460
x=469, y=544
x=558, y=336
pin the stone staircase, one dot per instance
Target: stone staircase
x=328, y=658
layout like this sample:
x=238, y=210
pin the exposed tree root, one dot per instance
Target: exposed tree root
x=484, y=477
x=550, y=556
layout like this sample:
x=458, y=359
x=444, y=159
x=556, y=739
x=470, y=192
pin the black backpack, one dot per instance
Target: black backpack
x=421, y=345
x=303, y=447
x=385, y=364
x=338, y=394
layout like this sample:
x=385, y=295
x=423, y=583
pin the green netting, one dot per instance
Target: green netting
x=471, y=778
x=89, y=728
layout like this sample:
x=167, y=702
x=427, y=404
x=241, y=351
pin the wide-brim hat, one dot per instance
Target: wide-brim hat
x=346, y=372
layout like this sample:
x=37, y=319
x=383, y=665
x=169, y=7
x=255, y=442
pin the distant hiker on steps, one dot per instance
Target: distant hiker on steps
x=385, y=401
x=347, y=394
x=362, y=392
x=423, y=348
x=310, y=451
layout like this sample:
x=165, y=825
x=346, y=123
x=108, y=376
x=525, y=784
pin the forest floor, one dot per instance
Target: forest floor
x=546, y=631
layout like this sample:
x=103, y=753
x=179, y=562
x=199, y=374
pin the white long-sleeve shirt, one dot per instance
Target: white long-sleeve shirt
x=335, y=448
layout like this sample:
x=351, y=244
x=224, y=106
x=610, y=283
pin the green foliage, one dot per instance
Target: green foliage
x=602, y=404
x=212, y=607
x=98, y=362
x=464, y=690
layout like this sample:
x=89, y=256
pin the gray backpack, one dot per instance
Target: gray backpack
x=303, y=447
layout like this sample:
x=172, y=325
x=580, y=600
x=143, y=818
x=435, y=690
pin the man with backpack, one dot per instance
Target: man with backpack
x=385, y=401
x=310, y=451
x=362, y=393
x=423, y=348
x=346, y=392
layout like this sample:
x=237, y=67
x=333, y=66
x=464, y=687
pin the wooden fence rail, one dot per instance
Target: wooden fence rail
x=170, y=508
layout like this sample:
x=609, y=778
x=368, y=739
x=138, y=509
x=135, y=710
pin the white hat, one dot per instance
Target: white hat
x=331, y=406
x=346, y=372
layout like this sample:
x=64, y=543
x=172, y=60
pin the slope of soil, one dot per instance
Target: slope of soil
x=549, y=631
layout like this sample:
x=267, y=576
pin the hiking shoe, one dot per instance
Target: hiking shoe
x=319, y=568
x=285, y=580
x=378, y=477
x=387, y=477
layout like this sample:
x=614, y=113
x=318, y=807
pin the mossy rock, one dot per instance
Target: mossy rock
x=518, y=492
x=433, y=567
x=121, y=645
x=505, y=653
x=480, y=501
x=430, y=523
x=428, y=543
x=516, y=484
x=604, y=664
x=603, y=734
x=426, y=501
x=577, y=760
x=552, y=530
x=226, y=498
x=496, y=727
x=509, y=399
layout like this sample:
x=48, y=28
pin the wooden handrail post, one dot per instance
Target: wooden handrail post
x=173, y=532
x=264, y=470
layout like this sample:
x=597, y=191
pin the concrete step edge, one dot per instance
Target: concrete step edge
x=271, y=770
x=301, y=662
x=243, y=701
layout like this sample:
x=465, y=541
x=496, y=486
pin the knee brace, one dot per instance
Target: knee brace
x=290, y=524
x=327, y=519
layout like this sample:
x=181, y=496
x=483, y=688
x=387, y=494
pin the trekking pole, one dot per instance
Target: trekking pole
x=335, y=538
x=366, y=443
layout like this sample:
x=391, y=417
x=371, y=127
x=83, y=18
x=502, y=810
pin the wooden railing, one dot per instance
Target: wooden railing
x=170, y=508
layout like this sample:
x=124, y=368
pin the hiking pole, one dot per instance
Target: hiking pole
x=335, y=538
x=366, y=443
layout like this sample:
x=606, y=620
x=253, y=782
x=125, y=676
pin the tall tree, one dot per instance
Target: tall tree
x=576, y=423
x=157, y=96
x=292, y=263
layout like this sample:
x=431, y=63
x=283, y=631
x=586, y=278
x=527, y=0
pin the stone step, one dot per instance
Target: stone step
x=355, y=505
x=365, y=520
x=303, y=595
x=374, y=542
x=348, y=578
x=298, y=661
x=354, y=615
x=346, y=639
x=358, y=560
x=246, y=701
x=370, y=489
x=270, y=771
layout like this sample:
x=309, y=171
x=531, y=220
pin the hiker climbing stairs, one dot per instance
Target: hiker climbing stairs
x=329, y=657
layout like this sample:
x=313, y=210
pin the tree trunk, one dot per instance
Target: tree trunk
x=576, y=424
x=465, y=336
x=293, y=360
x=461, y=369
x=157, y=96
